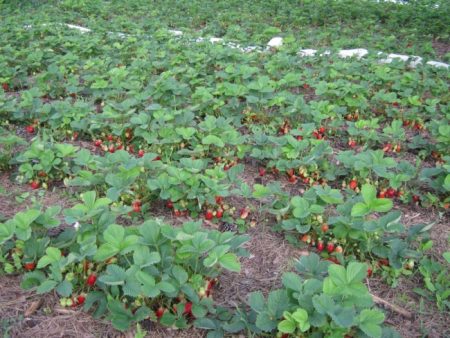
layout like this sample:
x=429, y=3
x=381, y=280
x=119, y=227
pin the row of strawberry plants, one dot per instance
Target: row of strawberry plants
x=152, y=270
x=158, y=272
x=308, y=160
x=343, y=230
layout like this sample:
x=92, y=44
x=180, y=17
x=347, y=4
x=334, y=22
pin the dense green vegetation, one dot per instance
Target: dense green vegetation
x=148, y=121
x=385, y=26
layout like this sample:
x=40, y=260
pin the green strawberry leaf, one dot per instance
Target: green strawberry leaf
x=370, y=322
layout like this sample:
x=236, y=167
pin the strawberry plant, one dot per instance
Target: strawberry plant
x=191, y=186
x=23, y=239
x=319, y=299
x=128, y=272
x=304, y=219
x=435, y=278
x=8, y=143
x=300, y=159
x=44, y=162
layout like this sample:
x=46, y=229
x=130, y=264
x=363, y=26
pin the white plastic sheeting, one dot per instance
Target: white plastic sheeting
x=277, y=42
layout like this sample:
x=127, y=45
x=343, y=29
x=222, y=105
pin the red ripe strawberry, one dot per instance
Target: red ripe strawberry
x=160, y=312
x=369, y=272
x=305, y=86
x=299, y=138
x=157, y=158
x=136, y=207
x=406, y=123
x=339, y=249
x=34, y=185
x=384, y=261
x=5, y=86
x=330, y=247
x=110, y=137
x=75, y=135
x=352, y=143
x=290, y=172
x=141, y=153
x=177, y=213
x=418, y=126
x=30, y=129
x=395, y=104
x=81, y=299
x=391, y=192
x=292, y=179
x=29, y=266
x=219, y=213
x=187, y=308
x=98, y=143
x=387, y=148
x=169, y=204
x=284, y=130
x=416, y=198
x=219, y=200
x=210, y=284
x=322, y=130
x=317, y=135
x=262, y=172
x=325, y=227
x=353, y=184
x=119, y=147
x=91, y=280
x=209, y=215
x=111, y=149
x=320, y=246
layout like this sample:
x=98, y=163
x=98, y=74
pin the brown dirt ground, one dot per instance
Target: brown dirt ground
x=441, y=48
x=270, y=256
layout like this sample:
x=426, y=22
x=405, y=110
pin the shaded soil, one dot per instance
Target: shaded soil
x=441, y=48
